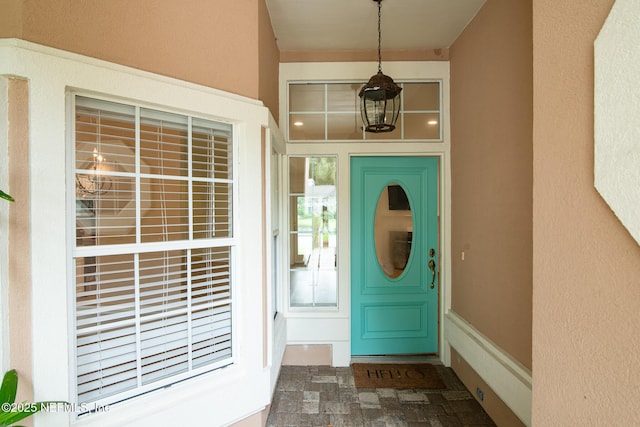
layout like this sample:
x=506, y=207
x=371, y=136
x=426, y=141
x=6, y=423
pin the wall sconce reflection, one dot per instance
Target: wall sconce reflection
x=96, y=182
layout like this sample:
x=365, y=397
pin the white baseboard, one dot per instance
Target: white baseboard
x=278, y=348
x=509, y=379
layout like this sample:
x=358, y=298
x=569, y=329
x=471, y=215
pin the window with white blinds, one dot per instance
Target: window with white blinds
x=153, y=252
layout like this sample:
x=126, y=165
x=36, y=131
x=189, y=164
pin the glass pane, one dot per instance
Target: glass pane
x=304, y=127
x=212, y=210
x=393, y=229
x=211, y=332
x=297, y=174
x=105, y=326
x=105, y=135
x=421, y=96
x=344, y=126
x=211, y=151
x=211, y=299
x=163, y=321
x=313, y=231
x=210, y=275
x=164, y=347
x=166, y=217
x=163, y=282
x=204, y=226
x=343, y=97
x=422, y=126
x=105, y=173
x=302, y=221
x=108, y=217
x=164, y=142
x=306, y=97
x=222, y=209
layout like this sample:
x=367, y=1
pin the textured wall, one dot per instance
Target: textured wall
x=19, y=232
x=491, y=157
x=586, y=295
x=11, y=18
x=269, y=62
x=214, y=43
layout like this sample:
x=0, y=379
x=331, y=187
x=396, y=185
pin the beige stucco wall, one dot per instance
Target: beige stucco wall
x=491, y=161
x=220, y=44
x=19, y=236
x=586, y=297
x=11, y=18
x=269, y=61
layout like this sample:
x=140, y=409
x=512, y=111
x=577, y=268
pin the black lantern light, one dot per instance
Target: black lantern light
x=380, y=97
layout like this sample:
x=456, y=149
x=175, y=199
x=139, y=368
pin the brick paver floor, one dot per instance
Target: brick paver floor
x=321, y=396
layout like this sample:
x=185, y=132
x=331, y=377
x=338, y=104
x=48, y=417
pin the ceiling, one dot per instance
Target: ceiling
x=307, y=25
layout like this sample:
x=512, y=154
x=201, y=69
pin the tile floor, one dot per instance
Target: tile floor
x=321, y=396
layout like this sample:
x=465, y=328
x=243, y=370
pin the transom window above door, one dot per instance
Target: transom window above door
x=331, y=112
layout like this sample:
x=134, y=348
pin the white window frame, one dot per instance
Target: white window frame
x=4, y=237
x=232, y=242
x=232, y=393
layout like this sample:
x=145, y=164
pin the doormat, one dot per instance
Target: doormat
x=396, y=375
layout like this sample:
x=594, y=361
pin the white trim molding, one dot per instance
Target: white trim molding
x=616, y=92
x=507, y=377
x=4, y=226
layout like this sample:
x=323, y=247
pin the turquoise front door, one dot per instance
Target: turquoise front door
x=394, y=255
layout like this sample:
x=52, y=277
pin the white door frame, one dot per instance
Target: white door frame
x=332, y=326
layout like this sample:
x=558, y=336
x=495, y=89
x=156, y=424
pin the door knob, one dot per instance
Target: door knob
x=432, y=267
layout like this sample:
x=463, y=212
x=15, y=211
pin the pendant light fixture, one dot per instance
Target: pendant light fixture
x=380, y=97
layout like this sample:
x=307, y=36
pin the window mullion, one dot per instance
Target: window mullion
x=136, y=274
x=402, y=117
x=326, y=112
x=440, y=112
x=188, y=252
x=137, y=180
x=190, y=173
x=189, y=313
x=136, y=256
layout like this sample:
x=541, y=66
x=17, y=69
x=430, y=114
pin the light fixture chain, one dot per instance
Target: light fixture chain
x=379, y=36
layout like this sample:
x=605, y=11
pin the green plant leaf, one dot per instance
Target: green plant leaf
x=8, y=396
x=5, y=196
x=9, y=387
x=8, y=418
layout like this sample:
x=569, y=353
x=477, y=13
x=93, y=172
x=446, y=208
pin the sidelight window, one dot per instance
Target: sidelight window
x=313, y=232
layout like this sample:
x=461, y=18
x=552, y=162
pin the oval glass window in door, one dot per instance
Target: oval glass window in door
x=393, y=230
